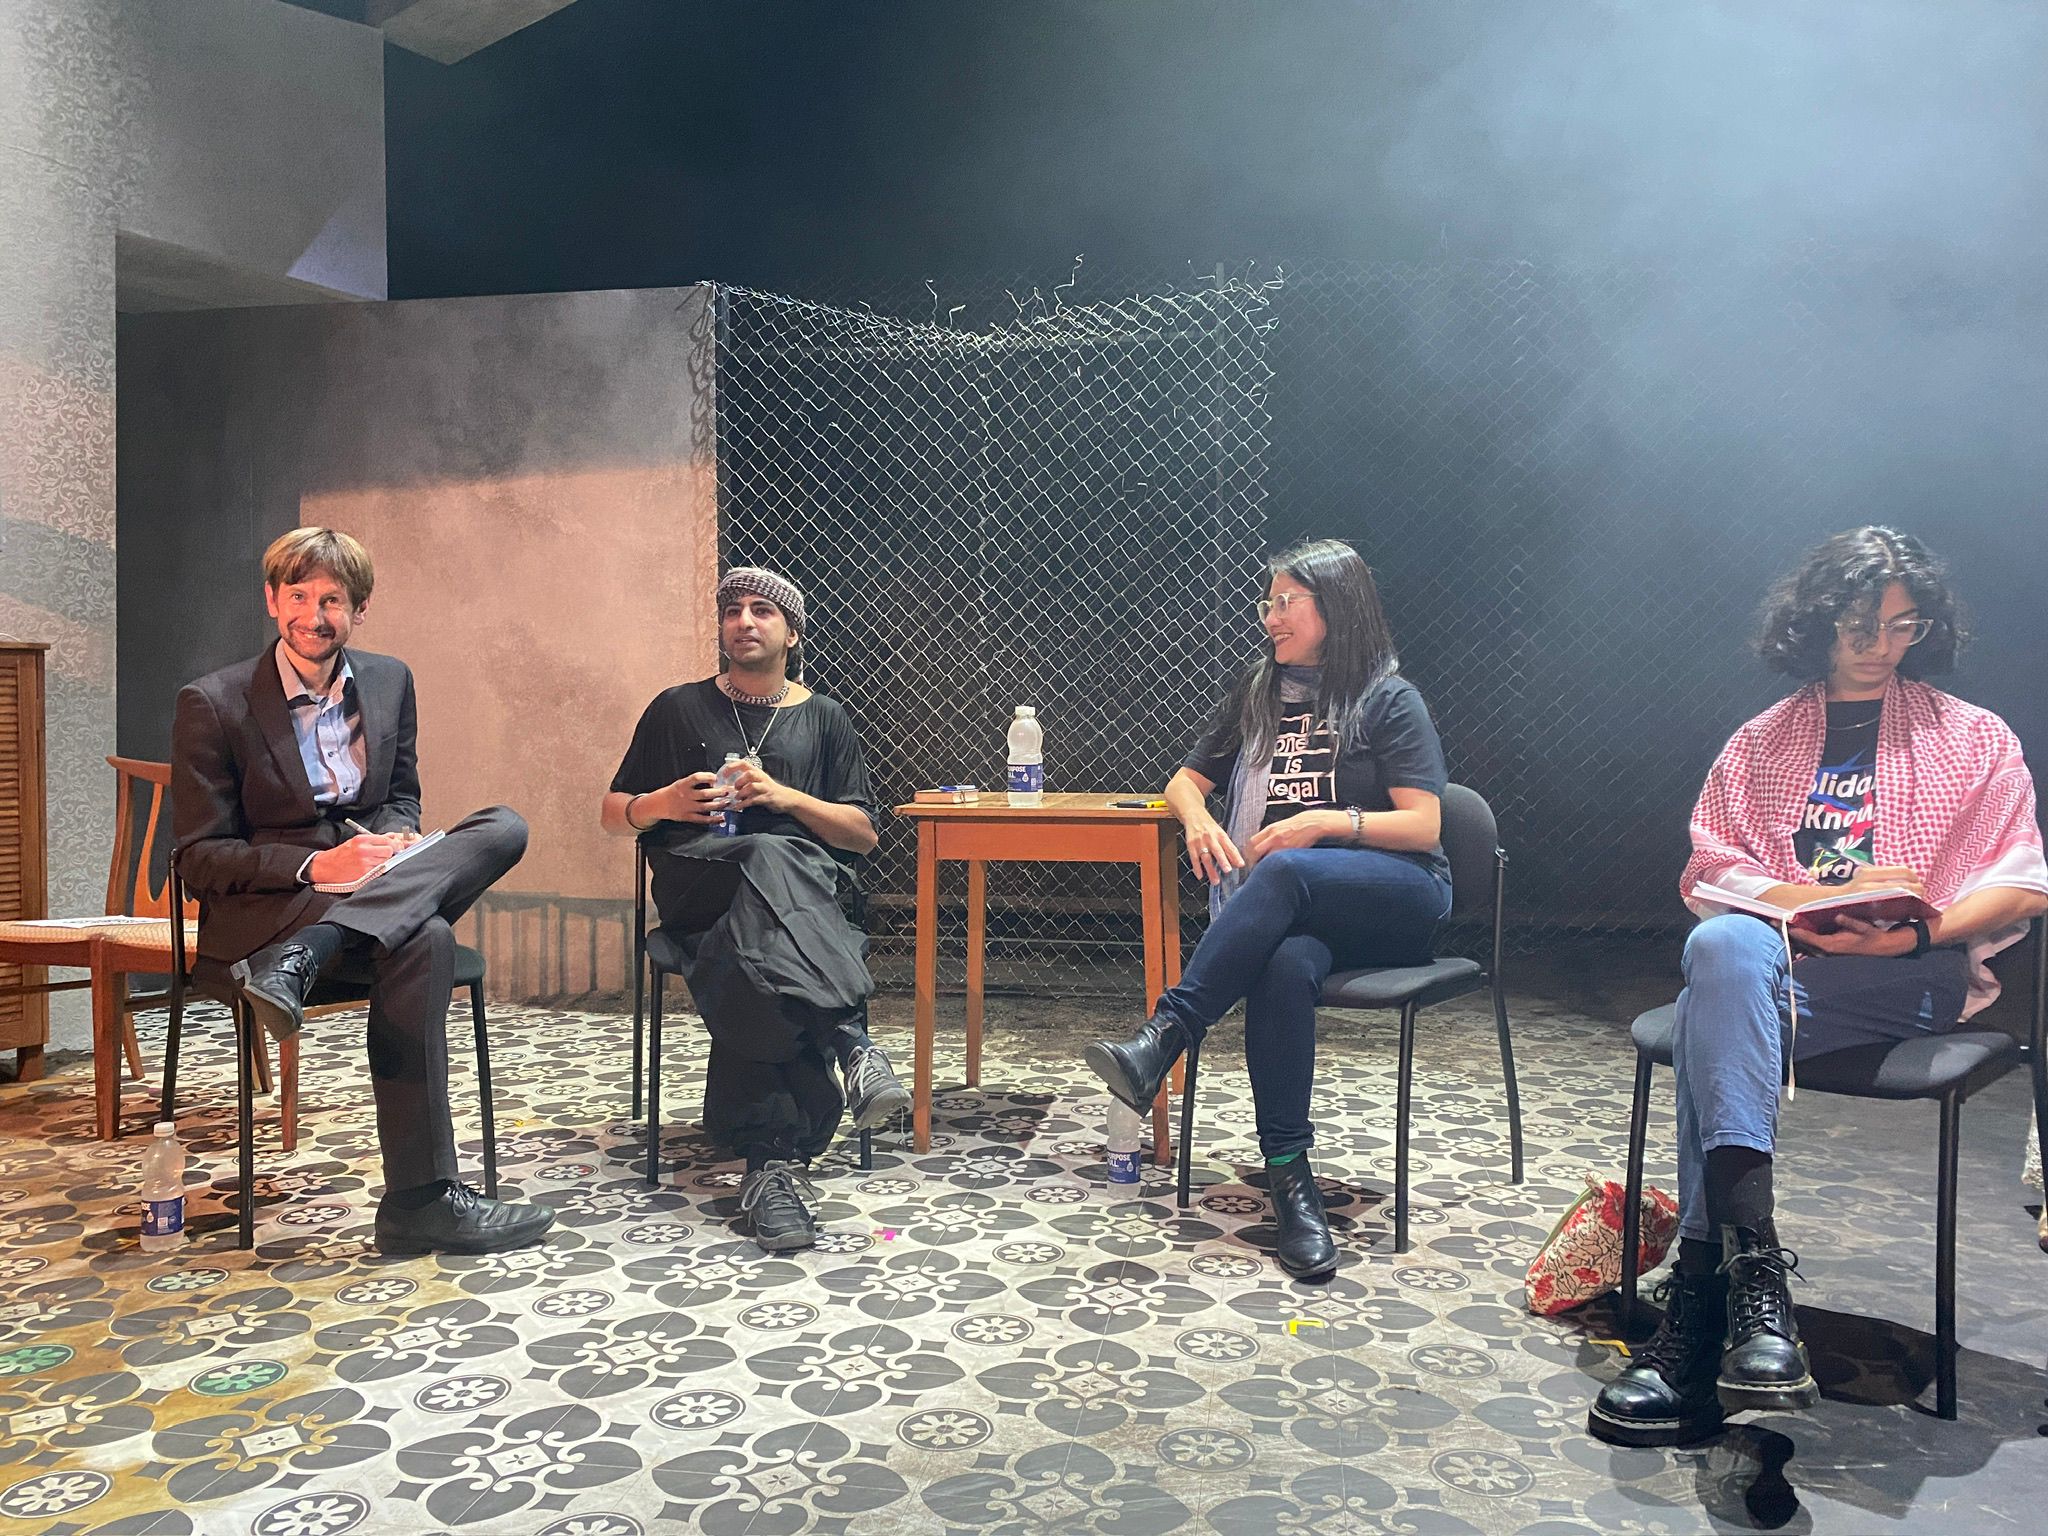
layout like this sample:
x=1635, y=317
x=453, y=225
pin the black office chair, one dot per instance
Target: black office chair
x=1478, y=874
x=1946, y=1068
x=209, y=979
x=662, y=954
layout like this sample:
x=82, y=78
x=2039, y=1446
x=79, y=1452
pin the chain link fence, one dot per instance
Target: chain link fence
x=1574, y=486
x=1063, y=508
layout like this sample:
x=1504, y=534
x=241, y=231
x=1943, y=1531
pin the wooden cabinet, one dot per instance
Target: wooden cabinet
x=24, y=846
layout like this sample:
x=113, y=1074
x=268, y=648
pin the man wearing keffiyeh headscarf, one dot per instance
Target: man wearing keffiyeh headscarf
x=761, y=923
x=1865, y=778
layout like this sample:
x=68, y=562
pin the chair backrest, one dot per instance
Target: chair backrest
x=2022, y=1006
x=1471, y=841
x=139, y=818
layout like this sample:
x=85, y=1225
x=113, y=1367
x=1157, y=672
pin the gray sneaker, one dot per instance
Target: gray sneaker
x=772, y=1207
x=874, y=1094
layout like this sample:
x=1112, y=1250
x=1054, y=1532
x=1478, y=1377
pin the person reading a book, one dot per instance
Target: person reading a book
x=1865, y=779
x=1328, y=855
x=293, y=775
x=761, y=923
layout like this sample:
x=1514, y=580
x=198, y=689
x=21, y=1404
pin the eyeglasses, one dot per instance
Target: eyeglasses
x=1863, y=634
x=1282, y=603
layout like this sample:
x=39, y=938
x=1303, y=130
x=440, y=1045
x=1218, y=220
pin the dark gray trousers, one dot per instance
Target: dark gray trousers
x=406, y=958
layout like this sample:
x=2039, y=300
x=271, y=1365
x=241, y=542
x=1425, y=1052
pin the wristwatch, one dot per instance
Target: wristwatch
x=1920, y=936
x=1357, y=827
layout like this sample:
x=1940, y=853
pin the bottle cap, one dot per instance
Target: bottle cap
x=1027, y=711
x=167, y=1127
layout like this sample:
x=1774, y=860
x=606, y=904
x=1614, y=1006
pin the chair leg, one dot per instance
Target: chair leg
x=483, y=1088
x=1945, y=1261
x=1189, y=1065
x=130, y=1046
x=1632, y=1199
x=261, y=1047
x=245, y=1121
x=1507, y=1068
x=639, y=1021
x=1403, y=1096
x=174, y=1029
x=867, y=1151
x=654, y=1081
x=288, y=1093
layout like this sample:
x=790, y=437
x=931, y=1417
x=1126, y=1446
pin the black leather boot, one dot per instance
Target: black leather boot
x=1667, y=1395
x=1135, y=1068
x=1306, y=1249
x=1764, y=1364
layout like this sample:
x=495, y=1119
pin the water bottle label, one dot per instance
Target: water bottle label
x=163, y=1218
x=1123, y=1167
x=1027, y=778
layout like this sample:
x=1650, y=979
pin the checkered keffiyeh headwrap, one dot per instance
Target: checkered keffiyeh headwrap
x=757, y=581
x=1955, y=801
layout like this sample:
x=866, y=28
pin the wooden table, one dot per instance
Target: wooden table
x=1068, y=829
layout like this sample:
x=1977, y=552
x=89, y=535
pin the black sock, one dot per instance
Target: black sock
x=1698, y=1255
x=420, y=1196
x=325, y=940
x=1739, y=1188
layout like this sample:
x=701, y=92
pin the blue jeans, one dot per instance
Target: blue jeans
x=1301, y=913
x=1729, y=1044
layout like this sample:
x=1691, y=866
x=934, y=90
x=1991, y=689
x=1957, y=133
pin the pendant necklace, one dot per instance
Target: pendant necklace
x=772, y=701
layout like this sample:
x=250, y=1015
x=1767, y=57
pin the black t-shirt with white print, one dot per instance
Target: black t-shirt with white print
x=1400, y=750
x=1838, y=823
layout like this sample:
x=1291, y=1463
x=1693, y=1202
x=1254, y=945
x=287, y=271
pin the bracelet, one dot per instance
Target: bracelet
x=1357, y=823
x=631, y=801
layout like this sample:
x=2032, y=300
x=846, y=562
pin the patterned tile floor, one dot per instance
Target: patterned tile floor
x=985, y=1341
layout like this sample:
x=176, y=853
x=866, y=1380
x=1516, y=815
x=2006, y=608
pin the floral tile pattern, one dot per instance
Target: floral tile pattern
x=986, y=1341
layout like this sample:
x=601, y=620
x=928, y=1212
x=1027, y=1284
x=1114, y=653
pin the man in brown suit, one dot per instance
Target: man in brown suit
x=297, y=769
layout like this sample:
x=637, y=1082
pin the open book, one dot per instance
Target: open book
x=342, y=887
x=1823, y=914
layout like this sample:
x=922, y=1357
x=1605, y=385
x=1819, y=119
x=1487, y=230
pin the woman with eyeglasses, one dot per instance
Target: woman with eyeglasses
x=1327, y=856
x=1864, y=777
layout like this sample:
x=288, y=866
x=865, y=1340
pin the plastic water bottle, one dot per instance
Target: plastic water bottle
x=1126, y=1129
x=1027, y=758
x=163, y=1190
x=728, y=823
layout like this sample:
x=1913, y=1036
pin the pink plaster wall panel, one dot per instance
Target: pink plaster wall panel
x=539, y=614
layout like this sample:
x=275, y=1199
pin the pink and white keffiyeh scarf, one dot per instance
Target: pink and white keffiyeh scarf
x=1955, y=804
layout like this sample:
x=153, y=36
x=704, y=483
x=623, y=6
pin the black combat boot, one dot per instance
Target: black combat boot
x=1764, y=1364
x=1667, y=1395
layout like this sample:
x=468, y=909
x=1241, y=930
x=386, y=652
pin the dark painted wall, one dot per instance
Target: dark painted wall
x=626, y=142
x=1599, y=313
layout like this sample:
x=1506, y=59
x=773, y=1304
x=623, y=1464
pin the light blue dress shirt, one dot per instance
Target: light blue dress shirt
x=330, y=731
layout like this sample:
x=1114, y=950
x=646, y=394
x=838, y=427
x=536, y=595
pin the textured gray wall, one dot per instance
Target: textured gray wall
x=260, y=128
x=533, y=476
x=200, y=120
x=63, y=169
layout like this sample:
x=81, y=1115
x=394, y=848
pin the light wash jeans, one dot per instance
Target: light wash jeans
x=1729, y=1044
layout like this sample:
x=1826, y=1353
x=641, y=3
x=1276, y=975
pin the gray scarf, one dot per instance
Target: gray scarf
x=1245, y=809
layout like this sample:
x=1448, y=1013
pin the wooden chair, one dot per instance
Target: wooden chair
x=139, y=815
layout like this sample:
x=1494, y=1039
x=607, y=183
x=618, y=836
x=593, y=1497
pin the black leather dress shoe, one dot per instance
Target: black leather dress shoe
x=460, y=1221
x=1306, y=1249
x=1135, y=1068
x=1764, y=1365
x=275, y=982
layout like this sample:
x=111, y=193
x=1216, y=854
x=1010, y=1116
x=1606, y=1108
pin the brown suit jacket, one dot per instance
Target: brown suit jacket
x=243, y=808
